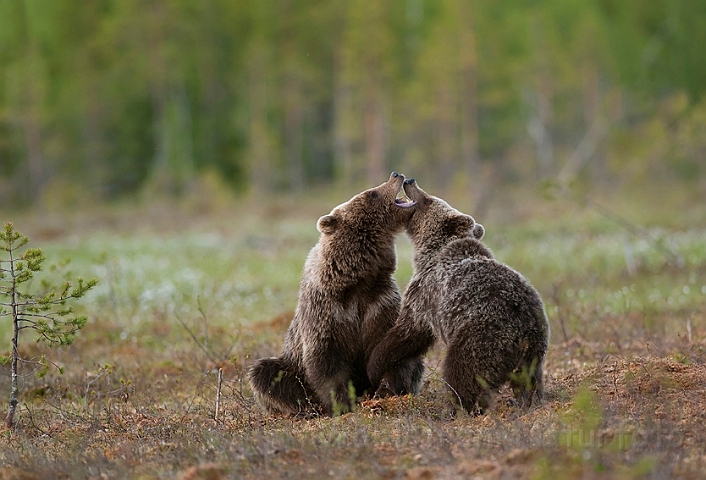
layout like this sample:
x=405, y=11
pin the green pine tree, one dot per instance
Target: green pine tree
x=47, y=314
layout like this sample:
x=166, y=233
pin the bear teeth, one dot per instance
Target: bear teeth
x=403, y=200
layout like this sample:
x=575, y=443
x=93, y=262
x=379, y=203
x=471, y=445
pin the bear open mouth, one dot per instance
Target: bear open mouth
x=403, y=200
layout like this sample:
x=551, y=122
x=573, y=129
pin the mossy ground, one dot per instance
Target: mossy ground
x=185, y=292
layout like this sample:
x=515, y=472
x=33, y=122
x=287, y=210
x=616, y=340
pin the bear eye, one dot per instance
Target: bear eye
x=373, y=194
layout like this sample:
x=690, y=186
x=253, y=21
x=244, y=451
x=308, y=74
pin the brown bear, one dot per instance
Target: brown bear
x=348, y=300
x=491, y=319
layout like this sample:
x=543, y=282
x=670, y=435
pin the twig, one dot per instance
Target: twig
x=203, y=348
x=203, y=315
x=218, y=393
x=452, y=388
x=188, y=408
x=688, y=329
x=556, y=293
x=205, y=344
x=101, y=374
x=583, y=152
x=34, y=425
x=634, y=230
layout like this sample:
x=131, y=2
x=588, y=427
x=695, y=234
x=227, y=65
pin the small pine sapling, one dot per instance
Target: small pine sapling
x=47, y=314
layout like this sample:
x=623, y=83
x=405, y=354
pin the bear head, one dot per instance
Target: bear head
x=376, y=213
x=434, y=223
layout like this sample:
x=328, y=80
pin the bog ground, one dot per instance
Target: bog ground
x=184, y=293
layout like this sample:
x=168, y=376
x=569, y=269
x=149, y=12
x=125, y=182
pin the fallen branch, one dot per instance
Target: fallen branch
x=218, y=394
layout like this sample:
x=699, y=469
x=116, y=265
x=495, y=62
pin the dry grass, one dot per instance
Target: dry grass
x=605, y=416
x=626, y=370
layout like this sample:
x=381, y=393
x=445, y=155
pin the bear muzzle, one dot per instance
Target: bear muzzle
x=403, y=201
x=412, y=190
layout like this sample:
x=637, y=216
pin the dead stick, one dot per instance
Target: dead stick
x=218, y=393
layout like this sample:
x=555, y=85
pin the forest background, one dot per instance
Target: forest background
x=105, y=99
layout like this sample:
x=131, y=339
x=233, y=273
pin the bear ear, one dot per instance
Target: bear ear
x=327, y=224
x=459, y=224
x=478, y=231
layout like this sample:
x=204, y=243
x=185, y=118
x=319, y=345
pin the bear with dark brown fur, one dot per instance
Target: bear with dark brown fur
x=489, y=316
x=348, y=300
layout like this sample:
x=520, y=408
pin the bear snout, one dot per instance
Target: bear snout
x=409, y=181
x=396, y=179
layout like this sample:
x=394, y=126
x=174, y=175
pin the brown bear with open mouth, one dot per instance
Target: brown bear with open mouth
x=348, y=300
x=489, y=316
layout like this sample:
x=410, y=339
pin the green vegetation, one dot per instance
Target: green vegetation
x=105, y=99
x=46, y=314
x=625, y=370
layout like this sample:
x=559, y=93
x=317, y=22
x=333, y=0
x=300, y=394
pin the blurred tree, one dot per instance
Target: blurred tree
x=260, y=92
x=119, y=95
x=367, y=65
x=25, y=32
x=469, y=86
x=293, y=97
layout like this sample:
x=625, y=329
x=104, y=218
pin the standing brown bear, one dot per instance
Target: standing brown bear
x=348, y=300
x=491, y=319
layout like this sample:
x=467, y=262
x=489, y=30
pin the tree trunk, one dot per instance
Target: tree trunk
x=591, y=110
x=259, y=131
x=293, y=132
x=541, y=131
x=540, y=125
x=30, y=104
x=469, y=91
x=173, y=163
x=374, y=134
x=293, y=98
x=445, y=133
x=14, y=389
x=341, y=140
x=33, y=141
x=373, y=56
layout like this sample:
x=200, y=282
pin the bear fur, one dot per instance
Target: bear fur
x=348, y=300
x=491, y=319
x=385, y=389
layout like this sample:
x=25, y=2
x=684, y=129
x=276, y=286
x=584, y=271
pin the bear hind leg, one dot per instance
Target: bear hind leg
x=279, y=387
x=527, y=382
x=468, y=389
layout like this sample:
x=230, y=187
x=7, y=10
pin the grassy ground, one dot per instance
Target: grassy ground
x=185, y=291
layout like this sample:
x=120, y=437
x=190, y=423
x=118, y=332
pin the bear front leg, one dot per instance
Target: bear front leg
x=279, y=386
x=405, y=379
x=380, y=319
x=398, y=355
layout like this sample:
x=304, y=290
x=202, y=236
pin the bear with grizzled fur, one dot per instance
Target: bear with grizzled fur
x=348, y=300
x=489, y=316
